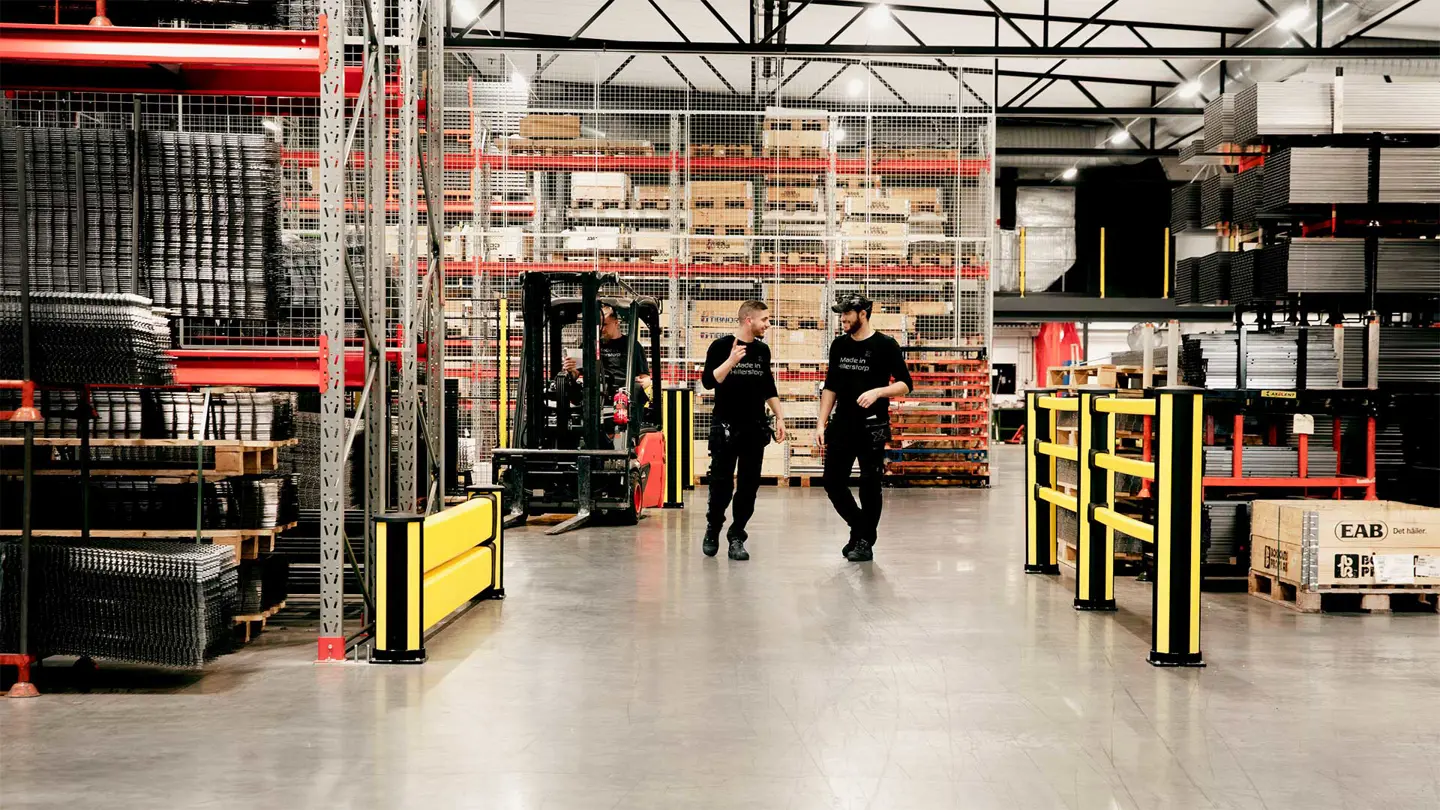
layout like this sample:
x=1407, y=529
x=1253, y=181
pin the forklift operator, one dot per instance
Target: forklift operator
x=613, y=344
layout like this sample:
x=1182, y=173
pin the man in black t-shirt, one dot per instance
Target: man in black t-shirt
x=858, y=388
x=613, y=344
x=737, y=368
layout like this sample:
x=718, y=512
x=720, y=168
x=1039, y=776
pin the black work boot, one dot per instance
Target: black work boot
x=737, y=546
x=850, y=546
x=861, y=552
x=711, y=544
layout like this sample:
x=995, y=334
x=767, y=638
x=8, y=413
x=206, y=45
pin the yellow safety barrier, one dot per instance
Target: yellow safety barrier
x=1175, y=534
x=1129, y=405
x=1125, y=466
x=428, y=567
x=1064, y=451
x=1058, y=403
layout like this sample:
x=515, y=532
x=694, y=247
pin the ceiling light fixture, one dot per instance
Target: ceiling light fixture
x=878, y=16
x=855, y=87
x=1123, y=136
x=1292, y=19
x=1069, y=174
x=518, y=82
x=1190, y=89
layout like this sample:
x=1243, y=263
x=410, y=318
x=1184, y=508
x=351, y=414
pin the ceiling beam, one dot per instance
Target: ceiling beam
x=1054, y=18
x=1084, y=151
x=1099, y=112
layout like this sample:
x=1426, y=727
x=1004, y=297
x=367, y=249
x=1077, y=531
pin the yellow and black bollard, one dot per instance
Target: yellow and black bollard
x=1178, y=490
x=678, y=424
x=1095, y=541
x=1040, y=552
x=400, y=590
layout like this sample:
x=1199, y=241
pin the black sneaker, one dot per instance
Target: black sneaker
x=711, y=544
x=850, y=546
x=737, y=548
x=861, y=552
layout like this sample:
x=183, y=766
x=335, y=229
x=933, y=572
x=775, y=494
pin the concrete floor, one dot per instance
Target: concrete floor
x=628, y=671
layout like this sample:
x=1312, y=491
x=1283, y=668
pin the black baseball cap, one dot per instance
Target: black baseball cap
x=854, y=302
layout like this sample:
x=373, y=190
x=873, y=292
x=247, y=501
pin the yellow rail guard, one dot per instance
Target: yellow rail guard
x=427, y=567
x=1175, y=534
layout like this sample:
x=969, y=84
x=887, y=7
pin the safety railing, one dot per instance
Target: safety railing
x=1177, y=413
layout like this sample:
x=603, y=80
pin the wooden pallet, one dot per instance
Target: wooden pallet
x=1104, y=374
x=652, y=205
x=804, y=480
x=251, y=624
x=720, y=230
x=888, y=259
x=598, y=205
x=230, y=457
x=797, y=152
x=933, y=259
x=917, y=154
x=795, y=180
x=720, y=150
x=1069, y=553
x=792, y=205
x=1419, y=598
x=720, y=258
x=248, y=543
x=576, y=146
x=793, y=258
x=733, y=203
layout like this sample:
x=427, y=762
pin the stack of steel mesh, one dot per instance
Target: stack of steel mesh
x=1409, y=175
x=263, y=583
x=261, y=416
x=250, y=502
x=1220, y=122
x=79, y=199
x=1269, y=462
x=299, y=295
x=1208, y=360
x=1399, y=107
x=1185, y=207
x=1192, y=150
x=1186, y=281
x=168, y=604
x=303, y=461
x=1213, y=280
x=1408, y=266
x=1321, y=176
x=212, y=219
x=300, y=547
x=1282, y=108
x=1227, y=525
x=1242, y=277
x=1408, y=355
x=1249, y=187
x=86, y=338
x=1311, y=265
x=1216, y=199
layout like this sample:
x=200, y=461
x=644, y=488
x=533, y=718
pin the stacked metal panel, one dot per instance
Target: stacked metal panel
x=1213, y=280
x=1249, y=188
x=86, y=338
x=1242, y=277
x=263, y=416
x=263, y=583
x=1220, y=122
x=167, y=604
x=1186, y=281
x=1320, y=176
x=1217, y=199
x=1409, y=175
x=1408, y=266
x=1192, y=150
x=249, y=502
x=1228, y=530
x=1185, y=207
x=1308, y=265
x=1399, y=107
x=212, y=222
x=303, y=461
x=240, y=416
x=1408, y=355
x=1282, y=108
x=1271, y=358
x=1269, y=462
x=79, y=193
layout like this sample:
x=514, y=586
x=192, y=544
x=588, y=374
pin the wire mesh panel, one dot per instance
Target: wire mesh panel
x=706, y=181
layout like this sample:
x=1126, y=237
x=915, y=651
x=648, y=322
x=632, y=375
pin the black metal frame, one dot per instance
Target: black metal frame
x=583, y=479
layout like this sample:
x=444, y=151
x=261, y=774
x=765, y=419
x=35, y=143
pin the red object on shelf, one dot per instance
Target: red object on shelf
x=267, y=367
x=1220, y=481
x=87, y=46
x=458, y=161
x=1237, y=449
x=511, y=269
x=22, y=688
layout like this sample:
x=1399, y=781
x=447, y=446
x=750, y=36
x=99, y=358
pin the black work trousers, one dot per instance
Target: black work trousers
x=844, y=445
x=734, y=473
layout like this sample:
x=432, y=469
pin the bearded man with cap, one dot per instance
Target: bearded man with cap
x=866, y=369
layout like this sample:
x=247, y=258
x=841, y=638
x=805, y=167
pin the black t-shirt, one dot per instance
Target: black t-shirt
x=856, y=366
x=612, y=362
x=740, y=397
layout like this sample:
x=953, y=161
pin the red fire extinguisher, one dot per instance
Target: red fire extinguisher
x=622, y=408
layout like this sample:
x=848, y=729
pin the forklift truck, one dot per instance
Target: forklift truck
x=593, y=451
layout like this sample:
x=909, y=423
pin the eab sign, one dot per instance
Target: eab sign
x=1371, y=531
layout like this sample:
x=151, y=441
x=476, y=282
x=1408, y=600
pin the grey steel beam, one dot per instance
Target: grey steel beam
x=435, y=268
x=478, y=17
x=544, y=42
x=1043, y=306
x=331, y=644
x=1295, y=35
x=1075, y=31
x=1084, y=151
x=377, y=437
x=1054, y=18
x=786, y=21
x=578, y=32
x=1387, y=17
x=407, y=412
x=1099, y=112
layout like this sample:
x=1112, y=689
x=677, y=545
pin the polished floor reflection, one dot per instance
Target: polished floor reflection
x=628, y=671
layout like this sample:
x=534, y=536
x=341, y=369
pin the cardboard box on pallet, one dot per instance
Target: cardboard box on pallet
x=714, y=314
x=722, y=217
x=720, y=194
x=704, y=246
x=592, y=237
x=661, y=241
x=700, y=338
x=805, y=195
x=1345, y=541
x=797, y=345
x=550, y=126
x=860, y=207
x=796, y=300
x=657, y=197
x=600, y=186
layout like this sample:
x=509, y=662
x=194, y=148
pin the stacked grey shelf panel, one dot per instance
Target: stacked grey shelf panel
x=1220, y=122
x=1213, y=280
x=1185, y=207
x=1208, y=360
x=1216, y=196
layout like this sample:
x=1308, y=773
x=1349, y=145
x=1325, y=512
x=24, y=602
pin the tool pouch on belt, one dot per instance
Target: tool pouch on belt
x=878, y=434
x=727, y=437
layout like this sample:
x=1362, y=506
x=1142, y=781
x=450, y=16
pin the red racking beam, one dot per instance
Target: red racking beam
x=107, y=46
x=266, y=368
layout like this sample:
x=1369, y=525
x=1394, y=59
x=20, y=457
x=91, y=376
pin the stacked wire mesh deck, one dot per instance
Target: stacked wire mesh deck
x=705, y=199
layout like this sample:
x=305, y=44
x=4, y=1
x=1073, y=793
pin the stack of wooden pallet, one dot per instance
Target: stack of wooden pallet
x=795, y=218
x=720, y=221
x=876, y=231
x=560, y=135
x=796, y=134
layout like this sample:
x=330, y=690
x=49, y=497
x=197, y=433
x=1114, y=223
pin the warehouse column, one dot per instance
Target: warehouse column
x=406, y=445
x=434, y=169
x=332, y=323
x=1175, y=639
x=1095, y=542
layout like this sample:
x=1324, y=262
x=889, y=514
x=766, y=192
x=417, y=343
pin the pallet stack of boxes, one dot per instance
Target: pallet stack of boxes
x=926, y=226
x=1315, y=555
x=721, y=215
x=793, y=221
x=597, y=191
x=876, y=230
x=796, y=133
